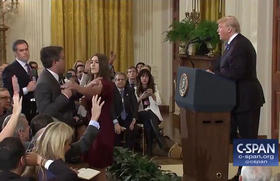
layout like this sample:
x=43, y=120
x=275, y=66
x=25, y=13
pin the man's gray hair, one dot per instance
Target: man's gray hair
x=256, y=173
x=20, y=124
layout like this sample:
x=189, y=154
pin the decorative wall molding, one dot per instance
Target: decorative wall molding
x=151, y=19
x=32, y=23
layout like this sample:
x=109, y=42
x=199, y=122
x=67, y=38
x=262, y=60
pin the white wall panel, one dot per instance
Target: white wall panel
x=32, y=23
x=151, y=20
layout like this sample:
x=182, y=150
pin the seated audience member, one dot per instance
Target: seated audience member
x=148, y=67
x=124, y=111
x=254, y=173
x=1, y=108
x=55, y=141
x=9, y=129
x=70, y=75
x=13, y=161
x=22, y=129
x=40, y=121
x=131, y=77
x=139, y=65
x=71, y=72
x=5, y=100
x=77, y=63
x=83, y=144
x=34, y=66
x=148, y=111
x=2, y=67
x=112, y=58
x=86, y=76
x=79, y=72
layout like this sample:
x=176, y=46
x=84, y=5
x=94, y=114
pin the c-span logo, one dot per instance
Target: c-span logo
x=255, y=152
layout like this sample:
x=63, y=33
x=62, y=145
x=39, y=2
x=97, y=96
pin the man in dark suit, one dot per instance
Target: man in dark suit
x=124, y=111
x=131, y=75
x=13, y=161
x=22, y=70
x=5, y=99
x=238, y=63
x=50, y=99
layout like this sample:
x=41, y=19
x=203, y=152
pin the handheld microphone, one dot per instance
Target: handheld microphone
x=34, y=74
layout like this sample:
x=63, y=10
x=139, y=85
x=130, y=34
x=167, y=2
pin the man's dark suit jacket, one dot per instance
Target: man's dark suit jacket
x=81, y=146
x=57, y=168
x=23, y=79
x=50, y=101
x=239, y=64
x=130, y=103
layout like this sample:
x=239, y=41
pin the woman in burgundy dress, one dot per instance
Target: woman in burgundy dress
x=100, y=155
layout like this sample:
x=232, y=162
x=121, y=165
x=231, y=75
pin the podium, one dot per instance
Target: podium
x=205, y=102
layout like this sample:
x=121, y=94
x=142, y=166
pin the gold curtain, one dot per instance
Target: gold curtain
x=212, y=9
x=86, y=27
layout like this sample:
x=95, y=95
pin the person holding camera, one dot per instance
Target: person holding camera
x=148, y=111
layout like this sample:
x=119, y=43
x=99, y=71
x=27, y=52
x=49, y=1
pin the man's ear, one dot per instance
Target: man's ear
x=53, y=63
x=229, y=30
x=19, y=133
x=22, y=161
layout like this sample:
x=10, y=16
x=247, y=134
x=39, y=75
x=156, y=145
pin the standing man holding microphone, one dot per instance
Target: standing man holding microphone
x=26, y=80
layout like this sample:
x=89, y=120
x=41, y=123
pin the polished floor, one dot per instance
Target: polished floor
x=171, y=129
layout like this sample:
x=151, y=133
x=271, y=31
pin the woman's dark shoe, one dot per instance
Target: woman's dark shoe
x=156, y=132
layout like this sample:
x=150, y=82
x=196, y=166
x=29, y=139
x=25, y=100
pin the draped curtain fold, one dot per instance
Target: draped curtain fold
x=210, y=9
x=86, y=27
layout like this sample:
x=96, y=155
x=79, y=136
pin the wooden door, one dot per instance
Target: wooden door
x=276, y=70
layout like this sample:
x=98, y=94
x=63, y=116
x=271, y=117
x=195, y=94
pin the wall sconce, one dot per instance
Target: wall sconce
x=194, y=16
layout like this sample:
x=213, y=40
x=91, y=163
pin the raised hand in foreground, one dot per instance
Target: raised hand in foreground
x=96, y=107
x=9, y=129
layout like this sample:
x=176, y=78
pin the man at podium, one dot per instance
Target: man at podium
x=238, y=63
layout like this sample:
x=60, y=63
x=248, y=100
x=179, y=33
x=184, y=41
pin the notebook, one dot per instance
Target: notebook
x=87, y=173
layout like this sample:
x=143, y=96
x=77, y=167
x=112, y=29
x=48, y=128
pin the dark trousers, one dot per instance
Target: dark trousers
x=29, y=111
x=247, y=124
x=129, y=135
x=150, y=122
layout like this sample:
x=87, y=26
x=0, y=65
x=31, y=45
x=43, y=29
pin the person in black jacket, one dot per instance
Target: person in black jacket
x=26, y=80
x=238, y=63
x=56, y=140
x=124, y=111
x=13, y=161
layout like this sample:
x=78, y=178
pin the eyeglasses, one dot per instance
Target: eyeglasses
x=5, y=97
x=120, y=79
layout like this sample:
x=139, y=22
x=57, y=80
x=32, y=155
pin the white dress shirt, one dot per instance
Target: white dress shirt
x=22, y=63
x=55, y=75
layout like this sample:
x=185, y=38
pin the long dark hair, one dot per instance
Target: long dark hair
x=103, y=66
x=151, y=83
